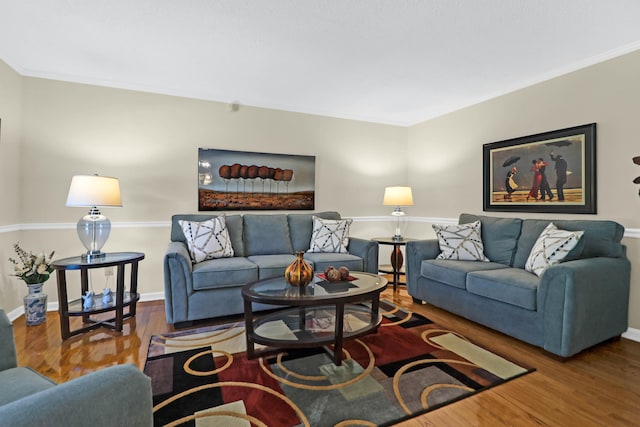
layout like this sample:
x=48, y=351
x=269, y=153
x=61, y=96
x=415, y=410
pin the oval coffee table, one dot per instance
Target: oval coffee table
x=320, y=314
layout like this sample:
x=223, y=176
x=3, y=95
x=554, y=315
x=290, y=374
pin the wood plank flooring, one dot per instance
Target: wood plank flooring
x=598, y=387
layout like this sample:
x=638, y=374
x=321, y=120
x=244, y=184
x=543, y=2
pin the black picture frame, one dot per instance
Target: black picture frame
x=567, y=155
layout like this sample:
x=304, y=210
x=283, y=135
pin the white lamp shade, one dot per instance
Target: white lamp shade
x=398, y=196
x=94, y=190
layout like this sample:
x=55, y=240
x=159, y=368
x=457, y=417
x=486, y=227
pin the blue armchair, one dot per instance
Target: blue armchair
x=115, y=396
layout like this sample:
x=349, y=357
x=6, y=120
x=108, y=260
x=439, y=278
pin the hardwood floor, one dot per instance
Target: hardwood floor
x=598, y=387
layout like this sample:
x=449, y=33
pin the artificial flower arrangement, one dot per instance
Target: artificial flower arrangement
x=30, y=267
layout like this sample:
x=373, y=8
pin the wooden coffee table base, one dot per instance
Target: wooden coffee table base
x=299, y=324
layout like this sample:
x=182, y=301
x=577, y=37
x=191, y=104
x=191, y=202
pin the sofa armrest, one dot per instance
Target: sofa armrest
x=177, y=281
x=8, y=358
x=584, y=302
x=115, y=396
x=416, y=252
x=367, y=250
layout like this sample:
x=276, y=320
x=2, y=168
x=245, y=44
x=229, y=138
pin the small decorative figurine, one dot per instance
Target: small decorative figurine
x=107, y=298
x=88, y=300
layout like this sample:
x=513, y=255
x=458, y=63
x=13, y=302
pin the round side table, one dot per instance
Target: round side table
x=122, y=298
x=396, y=267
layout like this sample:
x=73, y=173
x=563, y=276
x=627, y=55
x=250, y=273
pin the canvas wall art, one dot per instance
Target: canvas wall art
x=552, y=172
x=242, y=180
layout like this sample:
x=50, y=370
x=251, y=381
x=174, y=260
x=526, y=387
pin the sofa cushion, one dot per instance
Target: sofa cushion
x=330, y=235
x=207, y=239
x=16, y=383
x=499, y=236
x=453, y=272
x=513, y=286
x=266, y=235
x=320, y=261
x=552, y=246
x=600, y=234
x=601, y=238
x=301, y=227
x=271, y=265
x=223, y=273
x=234, y=226
x=460, y=242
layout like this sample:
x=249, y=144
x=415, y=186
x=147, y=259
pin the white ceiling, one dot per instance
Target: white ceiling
x=387, y=61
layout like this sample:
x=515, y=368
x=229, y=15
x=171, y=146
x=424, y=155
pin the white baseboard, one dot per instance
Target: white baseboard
x=152, y=296
x=14, y=314
x=53, y=306
x=631, y=334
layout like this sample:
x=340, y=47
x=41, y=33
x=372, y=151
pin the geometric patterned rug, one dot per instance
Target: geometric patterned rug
x=201, y=377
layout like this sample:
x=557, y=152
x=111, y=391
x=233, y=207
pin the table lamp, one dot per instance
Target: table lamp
x=93, y=191
x=397, y=196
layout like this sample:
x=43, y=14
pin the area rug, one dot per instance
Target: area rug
x=201, y=377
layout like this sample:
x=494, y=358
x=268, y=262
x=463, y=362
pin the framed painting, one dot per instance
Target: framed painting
x=552, y=172
x=242, y=180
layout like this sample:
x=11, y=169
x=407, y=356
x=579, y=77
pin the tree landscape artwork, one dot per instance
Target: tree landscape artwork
x=548, y=172
x=241, y=180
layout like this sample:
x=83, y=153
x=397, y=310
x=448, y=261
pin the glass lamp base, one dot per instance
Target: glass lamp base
x=93, y=231
x=90, y=256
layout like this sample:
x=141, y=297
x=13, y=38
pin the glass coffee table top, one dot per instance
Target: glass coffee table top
x=278, y=291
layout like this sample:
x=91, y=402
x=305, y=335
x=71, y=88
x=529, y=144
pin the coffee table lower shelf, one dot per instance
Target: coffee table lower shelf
x=309, y=327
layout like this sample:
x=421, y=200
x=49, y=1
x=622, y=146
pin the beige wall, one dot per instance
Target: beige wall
x=150, y=142
x=445, y=154
x=52, y=130
x=10, y=131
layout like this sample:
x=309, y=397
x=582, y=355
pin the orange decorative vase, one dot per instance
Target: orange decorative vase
x=299, y=272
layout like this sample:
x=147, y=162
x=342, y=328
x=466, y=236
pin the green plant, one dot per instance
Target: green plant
x=30, y=267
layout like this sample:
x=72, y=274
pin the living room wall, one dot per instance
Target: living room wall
x=52, y=130
x=445, y=154
x=150, y=142
x=10, y=128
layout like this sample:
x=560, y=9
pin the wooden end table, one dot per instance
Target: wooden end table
x=396, y=268
x=122, y=298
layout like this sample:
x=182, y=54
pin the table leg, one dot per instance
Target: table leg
x=63, y=304
x=133, y=287
x=396, y=263
x=337, y=348
x=84, y=287
x=248, y=332
x=375, y=308
x=119, y=298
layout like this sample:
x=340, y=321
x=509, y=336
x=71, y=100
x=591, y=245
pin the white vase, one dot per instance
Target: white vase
x=35, y=305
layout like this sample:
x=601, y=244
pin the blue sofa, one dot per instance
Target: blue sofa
x=572, y=306
x=263, y=245
x=115, y=396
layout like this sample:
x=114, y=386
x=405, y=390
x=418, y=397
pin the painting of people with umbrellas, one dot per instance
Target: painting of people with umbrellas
x=547, y=172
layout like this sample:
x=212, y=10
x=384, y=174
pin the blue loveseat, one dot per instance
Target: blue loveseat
x=572, y=306
x=115, y=396
x=263, y=245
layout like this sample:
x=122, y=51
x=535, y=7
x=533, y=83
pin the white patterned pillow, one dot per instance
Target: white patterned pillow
x=460, y=242
x=330, y=235
x=208, y=239
x=553, y=245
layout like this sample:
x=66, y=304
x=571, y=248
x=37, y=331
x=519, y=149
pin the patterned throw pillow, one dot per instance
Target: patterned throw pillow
x=208, y=239
x=330, y=235
x=552, y=246
x=460, y=242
